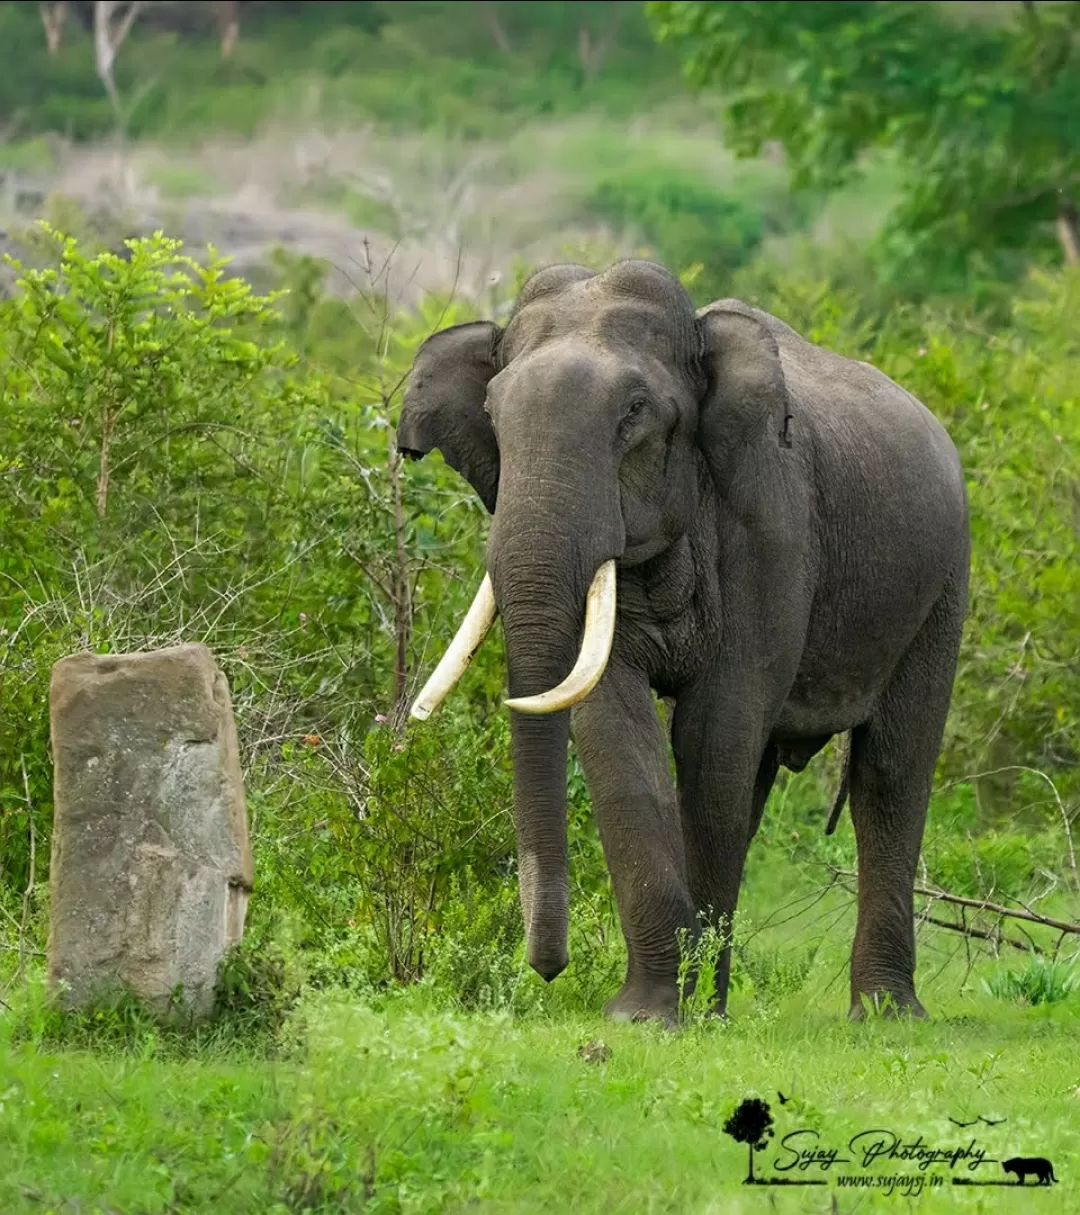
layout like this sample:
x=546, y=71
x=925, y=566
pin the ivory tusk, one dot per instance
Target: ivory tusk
x=594, y=653
x=468, y=639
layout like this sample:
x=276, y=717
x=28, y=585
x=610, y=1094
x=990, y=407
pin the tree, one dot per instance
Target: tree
x=489, y=9
x=594, y=48
x=227, y=13
x=108, y=38
x=982, y=111
x=53, y=15
x=751, y=1123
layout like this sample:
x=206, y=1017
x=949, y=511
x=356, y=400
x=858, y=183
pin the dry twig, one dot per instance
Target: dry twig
x=1031, y=917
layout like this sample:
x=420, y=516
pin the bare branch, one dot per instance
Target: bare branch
x=108, y=40
x=592, y=54
x=53, y=16
x=981, y=935
x=1068, y=231
x=227, y=13
x=1031, y=917
x=495, y=26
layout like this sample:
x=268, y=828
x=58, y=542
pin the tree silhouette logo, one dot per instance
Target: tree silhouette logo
x=751, y=1123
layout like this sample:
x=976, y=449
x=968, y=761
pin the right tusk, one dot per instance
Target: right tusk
x=468, y=639
x=595, y=650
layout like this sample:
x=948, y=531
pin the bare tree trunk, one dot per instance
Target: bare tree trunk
x=107, y=42
x=496, y=27
x=584, y=50
x=402, y=593
x=592, y=54
x=1068, y=230
x=228, y=20
x=103, y=464
x=53, y=16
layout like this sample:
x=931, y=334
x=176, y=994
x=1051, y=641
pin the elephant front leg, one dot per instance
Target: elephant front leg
x=624, y=752
x=725, y=774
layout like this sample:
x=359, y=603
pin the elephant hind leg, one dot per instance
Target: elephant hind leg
x=892, y=762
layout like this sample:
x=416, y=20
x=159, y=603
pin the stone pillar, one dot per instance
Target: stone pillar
x=151, y=865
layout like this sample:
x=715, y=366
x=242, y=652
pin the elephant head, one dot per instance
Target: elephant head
x=587, y=426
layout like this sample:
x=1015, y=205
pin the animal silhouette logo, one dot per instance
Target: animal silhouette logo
x=1022, y=1165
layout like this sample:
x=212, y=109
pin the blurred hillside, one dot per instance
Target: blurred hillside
x=466, y=68
x=466, y=138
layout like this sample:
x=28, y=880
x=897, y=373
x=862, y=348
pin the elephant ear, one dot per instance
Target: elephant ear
x=444, y=405
x=746, y=395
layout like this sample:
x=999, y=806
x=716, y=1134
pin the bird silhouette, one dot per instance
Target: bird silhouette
x=783, y=1100
x=993, y=1121
x=971, y=1123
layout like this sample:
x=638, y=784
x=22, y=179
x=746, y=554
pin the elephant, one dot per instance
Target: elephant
x=705, y=506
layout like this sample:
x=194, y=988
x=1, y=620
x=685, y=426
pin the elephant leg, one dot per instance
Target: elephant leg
x=893, y=757
x=724, y=776
x=623, y=749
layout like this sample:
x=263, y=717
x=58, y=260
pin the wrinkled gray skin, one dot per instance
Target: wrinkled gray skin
x=779, y=594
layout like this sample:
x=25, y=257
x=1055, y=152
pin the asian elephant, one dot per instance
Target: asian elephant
x=706, y=505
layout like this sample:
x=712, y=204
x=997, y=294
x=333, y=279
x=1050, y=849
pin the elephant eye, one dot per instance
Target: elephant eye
x=634, y=408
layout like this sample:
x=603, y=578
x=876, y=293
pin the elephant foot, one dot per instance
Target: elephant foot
x=887, y=1003
x=639, y=1001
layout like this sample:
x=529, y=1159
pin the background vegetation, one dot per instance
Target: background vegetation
x=186, y=455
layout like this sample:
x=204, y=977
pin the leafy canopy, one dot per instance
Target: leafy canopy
x=982, y=111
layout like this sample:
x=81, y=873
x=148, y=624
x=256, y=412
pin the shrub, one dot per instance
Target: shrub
x=1043, y=982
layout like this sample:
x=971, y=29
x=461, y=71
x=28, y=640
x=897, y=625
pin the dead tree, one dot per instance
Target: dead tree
x=490, y=11
x=109, y=36
x=53, y=15
x=593, y=49
x=1068, y=231
x=227, y=13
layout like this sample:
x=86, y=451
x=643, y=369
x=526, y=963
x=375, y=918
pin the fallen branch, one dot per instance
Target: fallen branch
x=994, y=937
x=1031, y=917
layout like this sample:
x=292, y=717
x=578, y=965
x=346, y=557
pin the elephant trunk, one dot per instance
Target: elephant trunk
x=541, y=576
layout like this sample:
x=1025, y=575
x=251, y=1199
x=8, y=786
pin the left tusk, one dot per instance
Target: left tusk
x=468, y=639
x=594, y=654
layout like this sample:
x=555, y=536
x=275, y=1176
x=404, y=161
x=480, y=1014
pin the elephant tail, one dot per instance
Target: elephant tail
x=842, y=793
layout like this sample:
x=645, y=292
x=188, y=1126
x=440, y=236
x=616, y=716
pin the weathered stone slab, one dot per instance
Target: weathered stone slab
x=151, y=864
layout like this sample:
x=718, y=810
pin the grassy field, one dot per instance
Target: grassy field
x=396, y=1107
x=402, y=1101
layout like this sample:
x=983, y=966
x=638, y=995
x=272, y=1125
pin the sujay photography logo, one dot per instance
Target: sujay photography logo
x=877, y=1158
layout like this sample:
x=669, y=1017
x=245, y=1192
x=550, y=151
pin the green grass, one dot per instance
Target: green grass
x=404, y=1101
x=181, y=180
x=402, y=1107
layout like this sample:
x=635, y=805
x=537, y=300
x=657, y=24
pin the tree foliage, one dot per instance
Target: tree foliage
x=183, y=459
x=982, y=112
